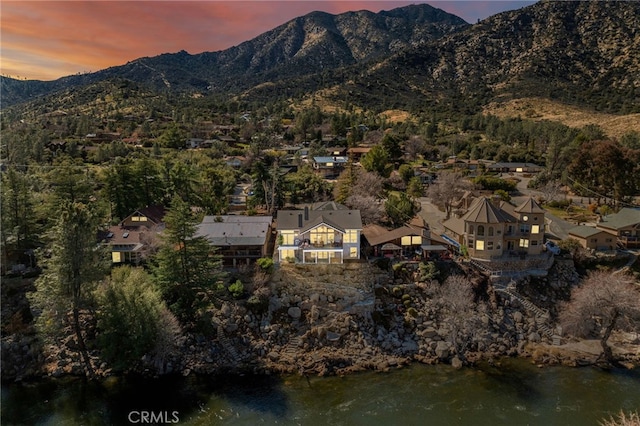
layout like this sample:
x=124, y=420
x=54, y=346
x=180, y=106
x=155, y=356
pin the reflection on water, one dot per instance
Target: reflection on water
x=515, y=393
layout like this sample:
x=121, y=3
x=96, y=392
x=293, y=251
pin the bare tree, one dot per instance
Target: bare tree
x=449, y=187
x=414, y=147
x=462, y=313
x=371, y=210
x=368, y=183
x=605, y=301
x=552, y=191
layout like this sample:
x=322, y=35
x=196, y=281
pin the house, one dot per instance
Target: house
x=491, y=229
x=329, y=167
x=241, y=240
x=356, y=153
x=515, y=168
x=625, y=225
x=406, y=241
x=194, y=142
x=328, y=233
x=592, y=238
x=136, y=234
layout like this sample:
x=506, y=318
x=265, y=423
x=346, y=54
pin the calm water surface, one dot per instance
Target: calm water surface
x=517, y=393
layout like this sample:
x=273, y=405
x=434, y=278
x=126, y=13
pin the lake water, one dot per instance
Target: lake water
x=517, y=393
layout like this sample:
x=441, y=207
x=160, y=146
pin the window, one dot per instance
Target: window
x=287, y=238
x=405, y=241
x=351, y=236
x=490, y=245
x=416, y=241
x=524, y=243
x=138, y=218
x=322, y=235
x=534, y=243
x=471, y=229
x=481, y=230
x=479, y=244
x=287, y=254
x=353, y=252
x=524, y=228
x=535, y=229
x=116, y=257
x=491, y=231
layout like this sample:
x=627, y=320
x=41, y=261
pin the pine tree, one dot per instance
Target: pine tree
x=187, y=270
x=76, y=264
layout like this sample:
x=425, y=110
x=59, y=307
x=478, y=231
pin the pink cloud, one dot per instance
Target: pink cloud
x=50, y=39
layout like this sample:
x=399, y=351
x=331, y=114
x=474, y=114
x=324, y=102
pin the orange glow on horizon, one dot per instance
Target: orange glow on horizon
x=46, y=40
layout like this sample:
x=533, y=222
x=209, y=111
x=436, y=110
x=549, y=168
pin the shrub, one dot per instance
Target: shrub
x=236, y=289
x=266, y=264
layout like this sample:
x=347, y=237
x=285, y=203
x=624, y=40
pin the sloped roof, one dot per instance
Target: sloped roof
x=339, y=219
x=529, y=206
x=234, y=230
x=484, y=211
x=454, y=224
x=585, y=231
x=154, y=213
x=624, y=218
x=376, y=234
x=319, y=220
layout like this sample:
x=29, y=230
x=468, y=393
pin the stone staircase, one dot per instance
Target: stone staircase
x=542, y=316
x=227, y=345
x=293, y=347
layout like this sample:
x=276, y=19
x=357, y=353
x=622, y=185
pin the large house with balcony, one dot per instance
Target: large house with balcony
x=490, y=230
x=328, y=233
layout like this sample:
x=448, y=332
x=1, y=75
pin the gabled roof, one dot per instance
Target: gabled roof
x=319, y=221
x=484, y=211
x=329, y=205
x=529, y=206
x=624, y=218
x=154, y=213
x=301, y=219
x=585, y=231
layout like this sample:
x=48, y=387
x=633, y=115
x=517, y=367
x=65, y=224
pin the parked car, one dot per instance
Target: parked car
x=552, y=247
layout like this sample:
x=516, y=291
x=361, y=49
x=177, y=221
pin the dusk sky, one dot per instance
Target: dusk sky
x=46, y=40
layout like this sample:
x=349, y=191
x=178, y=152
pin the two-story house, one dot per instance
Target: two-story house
x=329, y=167
x=490, y=230
x=329, y=233
x=135, y=235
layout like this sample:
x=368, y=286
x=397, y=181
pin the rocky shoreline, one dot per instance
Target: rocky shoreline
x=313, y=326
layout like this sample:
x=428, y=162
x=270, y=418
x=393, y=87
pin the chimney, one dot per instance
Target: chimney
x=300, y=221
x=306, y=213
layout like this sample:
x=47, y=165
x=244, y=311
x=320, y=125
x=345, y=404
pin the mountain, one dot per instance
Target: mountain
x=416, y=58
x=303, y=46
x=579, y=52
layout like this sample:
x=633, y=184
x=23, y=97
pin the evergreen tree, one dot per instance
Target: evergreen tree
x=76, y=264
x=187, y=269
x=130, y=316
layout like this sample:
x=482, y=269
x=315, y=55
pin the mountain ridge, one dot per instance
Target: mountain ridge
x=301, y=45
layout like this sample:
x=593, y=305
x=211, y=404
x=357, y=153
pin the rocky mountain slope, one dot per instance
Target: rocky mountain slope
x=415, y=58
x=576, y=52
x=303, y=46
